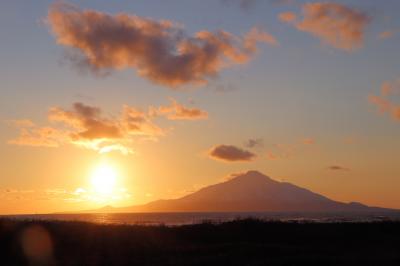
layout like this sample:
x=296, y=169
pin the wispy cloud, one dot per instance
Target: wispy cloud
x=66, y=195
x=286, y=151
x=230, y=153
x=387, y=34
x=86, y=126
x=334, y=24
x=254, y=143
x=308, y=141
x=159, y=50
x=177, y=111
x=383, y=102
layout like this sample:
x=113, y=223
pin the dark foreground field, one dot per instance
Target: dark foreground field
x=242, y=242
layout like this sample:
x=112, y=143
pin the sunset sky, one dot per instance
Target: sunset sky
x=167, y=96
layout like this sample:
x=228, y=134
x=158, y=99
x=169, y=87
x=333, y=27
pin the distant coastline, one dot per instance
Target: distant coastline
x=184, y=218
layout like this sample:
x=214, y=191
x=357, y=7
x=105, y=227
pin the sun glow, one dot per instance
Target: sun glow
x=103, y=179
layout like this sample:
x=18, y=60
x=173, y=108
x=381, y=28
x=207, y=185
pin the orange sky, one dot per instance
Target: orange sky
x=168, y=103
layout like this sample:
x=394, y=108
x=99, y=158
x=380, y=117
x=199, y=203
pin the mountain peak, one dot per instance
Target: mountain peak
x=249, y=191
x=252, y=176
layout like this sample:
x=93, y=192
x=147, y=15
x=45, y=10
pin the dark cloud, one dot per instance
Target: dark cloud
x=338, y=168
x=159, y=50
x=230, y=153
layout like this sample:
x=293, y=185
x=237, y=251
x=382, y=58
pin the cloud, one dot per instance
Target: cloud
x=383, y=103
x=86, y=127
x=58, y=194
x=387, y=34
x=137, y=122
x=334, y=24
x=177, y=111
x=287, y=151
x=159, y=50
x=230, y=153
x=389, y=87
x=282, y=151
x=88, y=121
x=385, y=106
x=232, y=176
x=272, y=156
x=338, y=168
x=224, y=88
x=287, y=17
x=32, y=135
x=308, y=141
x=254, y=143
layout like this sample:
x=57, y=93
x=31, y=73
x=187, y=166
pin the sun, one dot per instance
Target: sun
x=103, y=179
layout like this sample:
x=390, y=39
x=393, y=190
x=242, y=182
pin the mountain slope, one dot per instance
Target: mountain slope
x=251, y=191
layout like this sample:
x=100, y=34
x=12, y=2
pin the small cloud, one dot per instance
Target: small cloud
x=38, y=137
x=287, y=17
x=386, y=34
x=232, y=176
x=308, y=141
x=272, y=157
x=79, y=191
x=383, y=102
x=224, y=88
x=281, y=151
x=177, y=111
x=338, y=168
x=287, y=151
x=22, y=123
x=230, y=153
x=254, y=143
x=334, y=24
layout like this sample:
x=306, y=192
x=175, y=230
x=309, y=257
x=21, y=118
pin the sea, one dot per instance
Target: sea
x=185, y=218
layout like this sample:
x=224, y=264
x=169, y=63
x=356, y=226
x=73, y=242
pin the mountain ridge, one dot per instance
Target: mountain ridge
x=249, y=192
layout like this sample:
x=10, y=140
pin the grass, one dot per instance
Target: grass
x=240, y=242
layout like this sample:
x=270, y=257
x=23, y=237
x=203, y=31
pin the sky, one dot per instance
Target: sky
x=125, y=102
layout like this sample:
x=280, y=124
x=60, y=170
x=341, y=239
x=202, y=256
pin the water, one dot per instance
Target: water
x=198, y=217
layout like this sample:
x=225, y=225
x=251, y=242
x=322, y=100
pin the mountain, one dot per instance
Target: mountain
x=251, y=191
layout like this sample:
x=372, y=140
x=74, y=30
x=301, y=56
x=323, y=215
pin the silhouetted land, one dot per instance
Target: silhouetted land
x=241, y=242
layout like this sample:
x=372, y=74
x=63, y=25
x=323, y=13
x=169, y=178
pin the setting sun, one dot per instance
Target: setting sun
x=103, y=179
